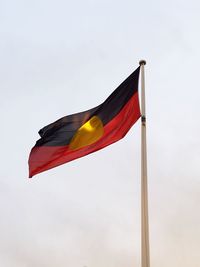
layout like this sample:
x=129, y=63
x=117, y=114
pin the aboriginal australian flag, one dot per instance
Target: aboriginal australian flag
x=79, y=134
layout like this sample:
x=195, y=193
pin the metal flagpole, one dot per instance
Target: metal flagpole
x=145, y=257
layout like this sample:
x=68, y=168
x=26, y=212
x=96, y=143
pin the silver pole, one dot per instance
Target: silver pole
x=145, y=257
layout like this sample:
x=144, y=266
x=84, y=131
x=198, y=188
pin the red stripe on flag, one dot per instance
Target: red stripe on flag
x=43, y=158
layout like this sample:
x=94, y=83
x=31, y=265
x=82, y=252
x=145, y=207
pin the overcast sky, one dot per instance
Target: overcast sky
x=60, y=57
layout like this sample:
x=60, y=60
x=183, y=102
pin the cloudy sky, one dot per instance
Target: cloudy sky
x=60, y=57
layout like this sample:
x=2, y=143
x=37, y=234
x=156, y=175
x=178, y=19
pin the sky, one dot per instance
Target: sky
x=61, y=57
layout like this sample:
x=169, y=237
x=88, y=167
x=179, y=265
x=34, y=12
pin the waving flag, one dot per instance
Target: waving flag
x=79, y=134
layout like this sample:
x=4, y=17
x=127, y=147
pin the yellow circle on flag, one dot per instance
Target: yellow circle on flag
x=87, y=134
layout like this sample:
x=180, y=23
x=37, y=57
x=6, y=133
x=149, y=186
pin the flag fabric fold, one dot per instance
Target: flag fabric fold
x=77, y=135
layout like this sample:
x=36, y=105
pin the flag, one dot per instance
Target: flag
x=77, y=135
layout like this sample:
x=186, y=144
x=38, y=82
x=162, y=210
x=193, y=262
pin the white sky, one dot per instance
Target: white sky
x=61, y=57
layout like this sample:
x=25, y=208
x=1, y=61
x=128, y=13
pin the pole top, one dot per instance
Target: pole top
x=142, y=62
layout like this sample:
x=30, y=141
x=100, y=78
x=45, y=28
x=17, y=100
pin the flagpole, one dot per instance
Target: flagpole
x=145, y=255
